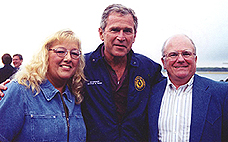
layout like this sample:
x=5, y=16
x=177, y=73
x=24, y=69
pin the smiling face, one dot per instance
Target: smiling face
x=181, y=68
x=119, y=35
x=16, y=61
x=61, y=69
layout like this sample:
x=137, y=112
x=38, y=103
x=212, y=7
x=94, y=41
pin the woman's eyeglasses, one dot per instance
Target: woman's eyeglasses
x=62, y=52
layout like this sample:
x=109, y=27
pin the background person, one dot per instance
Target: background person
x=119, y=81
x=17, y=61
x=185, y=106
x=7, y=71
x=43, y=103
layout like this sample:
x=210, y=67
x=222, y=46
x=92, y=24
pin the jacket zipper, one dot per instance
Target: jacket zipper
x=67, y=117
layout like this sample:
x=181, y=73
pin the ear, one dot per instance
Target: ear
x=134, y=36
x=163, y=62
x=196, y=59
x=101, y=34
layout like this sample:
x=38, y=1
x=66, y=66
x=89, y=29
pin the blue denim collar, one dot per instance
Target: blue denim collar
x=49, y=91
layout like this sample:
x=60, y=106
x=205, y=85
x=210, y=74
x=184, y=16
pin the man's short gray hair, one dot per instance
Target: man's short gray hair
x=118, y=8
x=163, y=47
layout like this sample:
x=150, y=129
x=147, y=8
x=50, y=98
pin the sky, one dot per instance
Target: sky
x=26, y=24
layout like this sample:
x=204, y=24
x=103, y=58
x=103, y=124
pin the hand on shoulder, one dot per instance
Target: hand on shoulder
x=3, y=87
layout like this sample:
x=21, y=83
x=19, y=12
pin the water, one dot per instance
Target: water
x=217, y=76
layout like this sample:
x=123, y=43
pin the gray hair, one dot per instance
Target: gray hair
x=163, y=47
x=119, y=9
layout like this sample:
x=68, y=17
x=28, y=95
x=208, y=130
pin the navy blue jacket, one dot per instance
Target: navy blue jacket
x=209, y=122
x=99, y=109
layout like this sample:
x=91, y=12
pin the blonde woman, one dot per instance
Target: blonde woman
x=43, y=102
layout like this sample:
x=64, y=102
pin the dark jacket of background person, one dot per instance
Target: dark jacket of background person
x=7, y=70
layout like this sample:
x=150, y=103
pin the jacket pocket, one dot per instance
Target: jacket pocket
x=44, y=127
x=214, y=113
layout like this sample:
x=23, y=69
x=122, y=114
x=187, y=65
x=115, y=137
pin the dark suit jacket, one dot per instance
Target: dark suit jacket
x=209, y=120
x=6, y=72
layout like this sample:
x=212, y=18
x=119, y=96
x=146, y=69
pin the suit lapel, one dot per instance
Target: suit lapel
x=200, y=101
x=154, y=107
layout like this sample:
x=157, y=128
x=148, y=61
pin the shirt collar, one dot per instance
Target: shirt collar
x=49, y=91
x=187, y=86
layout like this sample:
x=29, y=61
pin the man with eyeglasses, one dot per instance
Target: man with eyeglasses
x=185, y=106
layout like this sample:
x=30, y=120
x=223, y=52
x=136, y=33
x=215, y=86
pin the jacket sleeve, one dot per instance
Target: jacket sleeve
x=11, y=112
x=225, y=119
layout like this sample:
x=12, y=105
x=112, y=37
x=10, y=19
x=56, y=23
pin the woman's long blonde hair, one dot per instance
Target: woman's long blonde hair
x=35, y=73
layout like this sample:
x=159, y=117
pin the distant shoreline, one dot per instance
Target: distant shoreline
x=210, y=69
x=217, y=74
x=204, y=72
x=211, y=72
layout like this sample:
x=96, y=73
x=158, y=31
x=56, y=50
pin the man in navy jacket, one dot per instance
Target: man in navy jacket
x=185, y=106
x=119, y=81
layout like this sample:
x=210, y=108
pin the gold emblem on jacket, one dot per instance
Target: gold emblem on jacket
x=140, y=83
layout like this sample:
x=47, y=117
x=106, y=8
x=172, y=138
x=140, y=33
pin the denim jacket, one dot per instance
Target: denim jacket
x=25, y=116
